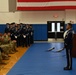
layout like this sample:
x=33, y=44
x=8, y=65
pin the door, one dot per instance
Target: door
x=55, y=29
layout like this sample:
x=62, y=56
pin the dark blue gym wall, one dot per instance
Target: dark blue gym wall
x=2, y=28
x=40, y=31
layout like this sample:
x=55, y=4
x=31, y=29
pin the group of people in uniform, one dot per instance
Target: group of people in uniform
x=22, y=33
x=15, y=35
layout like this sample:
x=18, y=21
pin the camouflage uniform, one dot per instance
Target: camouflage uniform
x=0, y=57
x=5, y=45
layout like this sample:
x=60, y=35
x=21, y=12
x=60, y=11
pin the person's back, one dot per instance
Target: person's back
x=7, y=29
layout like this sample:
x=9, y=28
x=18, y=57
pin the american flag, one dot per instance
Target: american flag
x=38, y=5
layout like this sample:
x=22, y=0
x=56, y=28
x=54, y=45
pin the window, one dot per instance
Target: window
x=53, y=27
x=58, y=27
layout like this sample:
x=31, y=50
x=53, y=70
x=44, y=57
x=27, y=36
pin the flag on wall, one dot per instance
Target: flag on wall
x=24, y=5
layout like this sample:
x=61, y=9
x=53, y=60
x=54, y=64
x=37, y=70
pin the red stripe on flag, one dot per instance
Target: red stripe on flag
x=45, y=8
x=41, y=0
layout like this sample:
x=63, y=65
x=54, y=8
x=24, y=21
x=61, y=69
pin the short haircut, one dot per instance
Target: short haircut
x=70, y=25
x=12, y=23
x=7, y=23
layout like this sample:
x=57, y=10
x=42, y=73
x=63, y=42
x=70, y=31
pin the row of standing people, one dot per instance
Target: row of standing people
x=22, y=33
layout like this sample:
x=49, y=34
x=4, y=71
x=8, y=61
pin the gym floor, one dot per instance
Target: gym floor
x=4, y=69
x=37, y=60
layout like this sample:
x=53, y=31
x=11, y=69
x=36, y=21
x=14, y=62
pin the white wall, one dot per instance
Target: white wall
x=33, y=17
x=37, y=17
x=70, y=16
x=4, y=6
x=40, y=17
x=9, y=17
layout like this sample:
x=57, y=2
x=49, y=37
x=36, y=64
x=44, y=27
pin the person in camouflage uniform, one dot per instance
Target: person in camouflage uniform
x=6, y=44
x=1, y=58
x=2, y=54
x=12, y=43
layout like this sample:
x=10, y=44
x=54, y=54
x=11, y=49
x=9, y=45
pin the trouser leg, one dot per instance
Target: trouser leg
x=69, y=57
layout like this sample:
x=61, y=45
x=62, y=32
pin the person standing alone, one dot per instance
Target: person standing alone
x=68, y=44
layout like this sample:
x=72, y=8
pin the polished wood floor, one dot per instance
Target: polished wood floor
x=4, y=69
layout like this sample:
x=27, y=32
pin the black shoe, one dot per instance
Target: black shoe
x=67, y=68
x=23, y=46
x=3, y=63
x=9, y=56
x=11, y=52
x=16, y=50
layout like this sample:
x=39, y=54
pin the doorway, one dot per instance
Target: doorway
x=55, y=29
